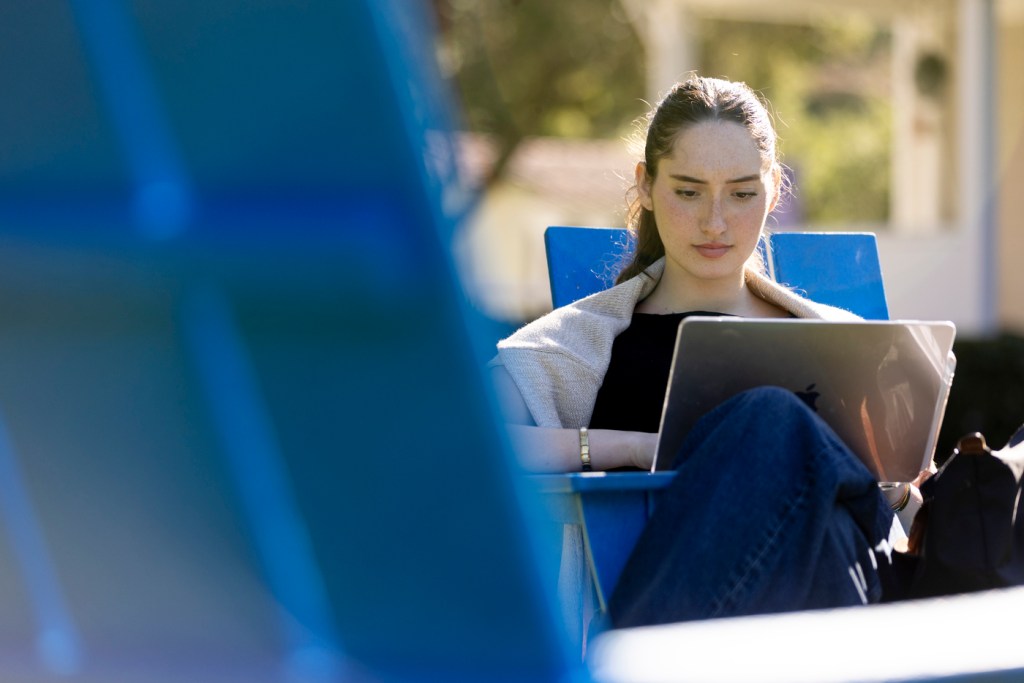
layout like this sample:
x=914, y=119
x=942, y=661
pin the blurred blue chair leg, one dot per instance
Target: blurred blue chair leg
x=57, y=641
x=258, y=471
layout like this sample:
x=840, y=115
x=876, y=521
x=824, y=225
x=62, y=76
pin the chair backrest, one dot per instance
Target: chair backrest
x=266, y=449
x=837, y=268
x=583, y=261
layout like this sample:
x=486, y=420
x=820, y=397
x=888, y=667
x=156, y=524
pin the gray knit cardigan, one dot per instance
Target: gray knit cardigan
x=558, y=362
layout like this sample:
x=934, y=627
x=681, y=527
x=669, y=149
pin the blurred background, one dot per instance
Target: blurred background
x=903, y=119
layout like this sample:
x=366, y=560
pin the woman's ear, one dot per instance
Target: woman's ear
x=643, y=186
x=776, y=187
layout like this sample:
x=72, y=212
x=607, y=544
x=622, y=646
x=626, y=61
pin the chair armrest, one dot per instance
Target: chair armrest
x=612, y=508
x=583, y=482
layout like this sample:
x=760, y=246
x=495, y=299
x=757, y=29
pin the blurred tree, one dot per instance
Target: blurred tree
x=572, y=68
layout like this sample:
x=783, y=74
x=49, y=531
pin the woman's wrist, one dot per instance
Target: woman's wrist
x=901, y=503
x=914, y=502
x=897, y=496
x=612, y=448
x=643, y=446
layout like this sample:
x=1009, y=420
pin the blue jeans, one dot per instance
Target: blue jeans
x=770, y=512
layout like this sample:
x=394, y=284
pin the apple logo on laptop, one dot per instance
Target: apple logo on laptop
x=809, y=396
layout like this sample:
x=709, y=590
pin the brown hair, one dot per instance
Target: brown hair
x=690, y=102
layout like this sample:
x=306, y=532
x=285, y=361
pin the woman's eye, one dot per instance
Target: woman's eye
x=745, y=195
x=688, y=194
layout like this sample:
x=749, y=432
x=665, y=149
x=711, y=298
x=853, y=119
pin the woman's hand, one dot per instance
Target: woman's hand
x=906, y=515
x=915, y=486
x=644, y=446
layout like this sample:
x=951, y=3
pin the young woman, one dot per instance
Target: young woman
x=770, y=511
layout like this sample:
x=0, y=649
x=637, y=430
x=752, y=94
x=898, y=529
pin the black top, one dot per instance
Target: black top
x=633, y=391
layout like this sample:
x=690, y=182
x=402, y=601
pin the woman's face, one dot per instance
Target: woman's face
x=710, y=198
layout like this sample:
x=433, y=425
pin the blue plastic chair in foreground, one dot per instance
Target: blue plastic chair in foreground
x=246, y=434
x=841, y=269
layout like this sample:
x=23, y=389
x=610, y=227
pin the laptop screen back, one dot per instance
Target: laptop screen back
x=881, y=385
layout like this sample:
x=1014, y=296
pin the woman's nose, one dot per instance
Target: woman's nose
x=714, y=223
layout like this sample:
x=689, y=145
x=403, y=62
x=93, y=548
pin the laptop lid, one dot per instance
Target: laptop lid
x=881, y=385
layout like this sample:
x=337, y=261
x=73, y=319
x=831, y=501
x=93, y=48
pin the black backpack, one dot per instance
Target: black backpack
x=969, y=534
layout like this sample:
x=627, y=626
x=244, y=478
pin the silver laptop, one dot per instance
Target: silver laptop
x=881, y=385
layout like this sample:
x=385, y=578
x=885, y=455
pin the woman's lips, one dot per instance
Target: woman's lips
x=712, y=249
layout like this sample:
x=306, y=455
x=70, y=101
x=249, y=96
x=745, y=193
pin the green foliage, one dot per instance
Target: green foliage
x=541, y=67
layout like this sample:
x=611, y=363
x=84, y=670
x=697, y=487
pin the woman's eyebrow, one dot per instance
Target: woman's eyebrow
x=698, y=181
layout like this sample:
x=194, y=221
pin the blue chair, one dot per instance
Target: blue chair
x=841, y=269
x=242, y=437
x=836, y=268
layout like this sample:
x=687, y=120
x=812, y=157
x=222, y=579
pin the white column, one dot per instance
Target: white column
x=918, y=131
x=668, y=31
x=976, y=112
x=903, y=48
x=951, y=274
